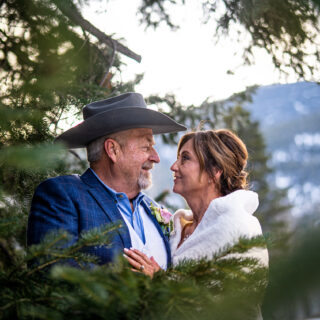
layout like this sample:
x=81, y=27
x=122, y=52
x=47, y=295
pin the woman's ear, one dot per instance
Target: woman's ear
x=216, y=174
x=112, y=149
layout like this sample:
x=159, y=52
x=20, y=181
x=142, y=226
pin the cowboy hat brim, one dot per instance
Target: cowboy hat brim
x=112, y=121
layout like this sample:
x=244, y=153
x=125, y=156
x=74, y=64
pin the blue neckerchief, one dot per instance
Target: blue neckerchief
x=123, y=204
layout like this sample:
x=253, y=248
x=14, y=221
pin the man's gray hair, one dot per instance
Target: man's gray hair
x=95, y=147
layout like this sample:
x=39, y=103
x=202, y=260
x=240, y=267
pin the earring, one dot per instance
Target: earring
x=210, y=181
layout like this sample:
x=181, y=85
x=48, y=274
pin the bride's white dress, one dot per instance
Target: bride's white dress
x=226, y=220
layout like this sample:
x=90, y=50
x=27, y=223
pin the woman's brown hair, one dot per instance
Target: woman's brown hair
x=220, y=150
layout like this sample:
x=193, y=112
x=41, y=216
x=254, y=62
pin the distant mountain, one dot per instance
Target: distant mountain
x=284, y=103
x=289, y=117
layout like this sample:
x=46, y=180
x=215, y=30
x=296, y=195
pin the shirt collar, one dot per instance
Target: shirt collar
x=119, y=196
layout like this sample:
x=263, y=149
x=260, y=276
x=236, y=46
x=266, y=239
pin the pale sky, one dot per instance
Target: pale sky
x=187, y=62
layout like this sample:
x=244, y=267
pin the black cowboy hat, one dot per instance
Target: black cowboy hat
x=123, y=112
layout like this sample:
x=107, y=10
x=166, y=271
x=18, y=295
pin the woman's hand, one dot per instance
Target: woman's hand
x=141, y=263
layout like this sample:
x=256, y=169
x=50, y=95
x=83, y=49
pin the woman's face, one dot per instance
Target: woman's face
x=187, y=178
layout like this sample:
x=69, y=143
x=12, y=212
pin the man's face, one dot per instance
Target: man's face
x=137, y=157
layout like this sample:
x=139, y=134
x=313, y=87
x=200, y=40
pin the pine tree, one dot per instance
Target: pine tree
x=287, y=30
x=50, y=69
x=222, y=287
x=51, y=66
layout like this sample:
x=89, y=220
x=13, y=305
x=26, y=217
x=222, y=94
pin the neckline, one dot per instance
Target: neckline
x=196, y=230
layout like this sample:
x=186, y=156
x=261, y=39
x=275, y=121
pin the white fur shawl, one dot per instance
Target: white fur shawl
x=226, y=220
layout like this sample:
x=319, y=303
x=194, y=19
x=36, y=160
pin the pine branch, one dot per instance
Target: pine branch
x=56, y=247
x=71, y=11
x=115, y=292
x=114, y=49
x=244, y=244
x=6, y=252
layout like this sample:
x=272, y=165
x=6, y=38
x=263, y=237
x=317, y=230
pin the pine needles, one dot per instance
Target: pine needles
x=204, y=288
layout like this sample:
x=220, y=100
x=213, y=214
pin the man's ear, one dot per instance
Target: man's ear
x=112, y=149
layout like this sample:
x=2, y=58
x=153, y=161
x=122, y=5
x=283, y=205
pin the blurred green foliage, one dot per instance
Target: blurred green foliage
x=222, y=287
x=50, y=68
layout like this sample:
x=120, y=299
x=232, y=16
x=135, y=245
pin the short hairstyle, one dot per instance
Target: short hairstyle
x=95, y=147
x=220, y=150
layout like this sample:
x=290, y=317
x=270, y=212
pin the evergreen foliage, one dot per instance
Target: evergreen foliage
x=50, y=68
x=287, y=30
x=293, y=291
x=221, y=287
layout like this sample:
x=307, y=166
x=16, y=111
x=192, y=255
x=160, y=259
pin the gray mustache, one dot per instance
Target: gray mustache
x=147, y=166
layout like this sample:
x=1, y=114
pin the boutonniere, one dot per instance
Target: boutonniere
x=163, y=216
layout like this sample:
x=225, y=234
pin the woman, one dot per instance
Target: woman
x=210, y=174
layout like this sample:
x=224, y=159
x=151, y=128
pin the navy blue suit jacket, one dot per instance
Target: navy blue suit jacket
x=78, y=203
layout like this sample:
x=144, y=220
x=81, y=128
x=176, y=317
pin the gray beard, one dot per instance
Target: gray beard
x=144, y=182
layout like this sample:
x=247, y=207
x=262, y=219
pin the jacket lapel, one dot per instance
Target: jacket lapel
x=107, y=204
x=146, y=205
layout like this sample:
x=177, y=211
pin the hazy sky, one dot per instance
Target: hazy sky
x=186, y=62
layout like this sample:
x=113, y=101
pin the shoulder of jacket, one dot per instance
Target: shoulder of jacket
x=243, y=225
x=60, y=180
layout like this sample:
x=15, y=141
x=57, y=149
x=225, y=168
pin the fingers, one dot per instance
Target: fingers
x=139, y=260
x=138, y=257
x=140, y=254
x=133, y=262
x=155, y=265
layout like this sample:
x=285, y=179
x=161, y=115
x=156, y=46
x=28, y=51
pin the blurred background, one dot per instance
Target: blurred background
x=250, y=66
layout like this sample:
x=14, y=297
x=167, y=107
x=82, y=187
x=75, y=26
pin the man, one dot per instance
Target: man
x=118, y=134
